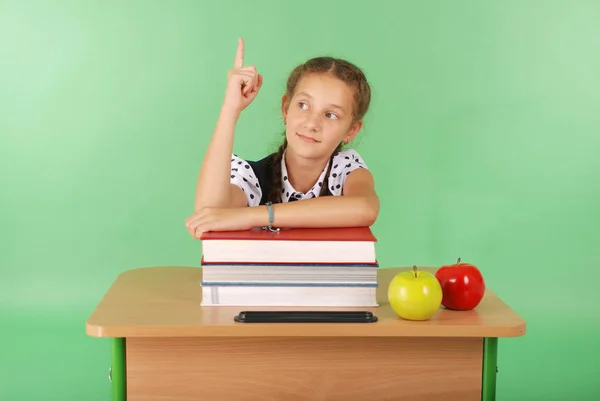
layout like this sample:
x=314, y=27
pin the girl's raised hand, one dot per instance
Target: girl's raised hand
x=243, y=83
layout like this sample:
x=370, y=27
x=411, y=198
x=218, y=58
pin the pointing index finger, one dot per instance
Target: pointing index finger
x=239, y=57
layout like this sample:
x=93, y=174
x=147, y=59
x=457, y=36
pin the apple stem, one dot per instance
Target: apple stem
x=458, y=261
x=415, y=270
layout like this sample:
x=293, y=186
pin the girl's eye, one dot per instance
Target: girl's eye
x=331, y=116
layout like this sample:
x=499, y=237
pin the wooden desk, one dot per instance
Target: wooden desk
x=166, y=346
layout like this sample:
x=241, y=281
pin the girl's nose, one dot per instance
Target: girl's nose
x=312, y=122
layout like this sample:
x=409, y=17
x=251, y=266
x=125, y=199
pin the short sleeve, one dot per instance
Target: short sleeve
x=243, y=176
x=343, y=164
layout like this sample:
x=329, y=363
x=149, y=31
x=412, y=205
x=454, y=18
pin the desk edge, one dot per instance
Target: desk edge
x=284, y=330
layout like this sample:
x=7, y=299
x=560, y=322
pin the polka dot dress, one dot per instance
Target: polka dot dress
x=344, y=163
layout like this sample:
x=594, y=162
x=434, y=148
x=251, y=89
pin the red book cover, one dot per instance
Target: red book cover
x=295, y=234
x=292, y=264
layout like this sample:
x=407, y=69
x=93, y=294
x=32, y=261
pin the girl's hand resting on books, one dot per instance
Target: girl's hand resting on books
x=218, y=219
x=243, y=83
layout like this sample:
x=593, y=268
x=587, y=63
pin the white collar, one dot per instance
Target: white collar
x=288, y=192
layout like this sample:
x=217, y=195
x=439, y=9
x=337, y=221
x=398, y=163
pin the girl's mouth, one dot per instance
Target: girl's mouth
x=307, y=139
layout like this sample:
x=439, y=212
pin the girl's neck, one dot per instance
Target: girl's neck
x=303, y=173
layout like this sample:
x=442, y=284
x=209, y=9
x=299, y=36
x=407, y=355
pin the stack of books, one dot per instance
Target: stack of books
x=292, y=267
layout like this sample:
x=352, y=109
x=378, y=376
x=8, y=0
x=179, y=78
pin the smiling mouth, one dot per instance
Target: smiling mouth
x=307, y=139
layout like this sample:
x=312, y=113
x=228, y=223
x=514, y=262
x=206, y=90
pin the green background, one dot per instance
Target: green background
x=483, y=136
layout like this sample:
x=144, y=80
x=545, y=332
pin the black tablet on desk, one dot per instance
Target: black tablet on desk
x=305, y=317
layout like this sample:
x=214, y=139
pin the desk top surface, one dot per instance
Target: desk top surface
x=165, y=302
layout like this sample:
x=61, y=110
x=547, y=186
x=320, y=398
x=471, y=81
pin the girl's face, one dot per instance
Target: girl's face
x=319, y=116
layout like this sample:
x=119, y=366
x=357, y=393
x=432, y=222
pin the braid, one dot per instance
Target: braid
x=326, y=179
x=275, y=194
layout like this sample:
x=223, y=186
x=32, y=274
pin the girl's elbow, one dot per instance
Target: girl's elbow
x=371, y=211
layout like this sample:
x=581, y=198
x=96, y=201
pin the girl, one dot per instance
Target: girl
x=322, y=109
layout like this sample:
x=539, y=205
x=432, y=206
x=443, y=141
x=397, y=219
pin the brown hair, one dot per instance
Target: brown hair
x=342, y=70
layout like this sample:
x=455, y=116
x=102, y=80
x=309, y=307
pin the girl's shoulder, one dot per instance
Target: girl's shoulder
x=349, y=156
x=247, y=175
x=344, y=163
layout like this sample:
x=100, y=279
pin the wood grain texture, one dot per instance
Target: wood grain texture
x=262, y=368
x=165, y=302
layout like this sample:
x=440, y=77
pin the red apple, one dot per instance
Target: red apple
x=462, y=286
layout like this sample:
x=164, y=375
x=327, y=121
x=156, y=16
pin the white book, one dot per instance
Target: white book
x=318, y=296
x=299, y=245
x=290, y=273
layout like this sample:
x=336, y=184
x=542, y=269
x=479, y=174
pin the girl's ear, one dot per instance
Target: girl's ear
x=285, y=104
x=353, y=131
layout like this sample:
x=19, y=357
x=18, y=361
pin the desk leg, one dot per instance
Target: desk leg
x=117, y=373
x=490, y=360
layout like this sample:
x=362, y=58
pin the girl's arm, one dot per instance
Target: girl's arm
x=213, y=188
x=358, y=206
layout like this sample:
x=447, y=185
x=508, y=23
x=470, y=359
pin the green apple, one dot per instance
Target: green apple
x=415, y=295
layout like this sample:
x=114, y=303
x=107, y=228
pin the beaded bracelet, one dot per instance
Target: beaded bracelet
x=271, y=218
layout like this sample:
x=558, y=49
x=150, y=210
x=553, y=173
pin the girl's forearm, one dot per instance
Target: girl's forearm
x=213, y=186
x=326, y=211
